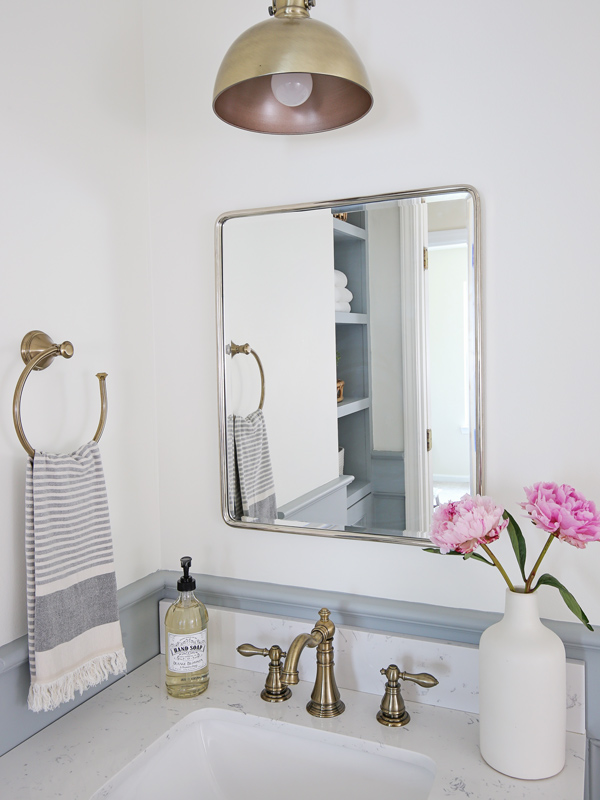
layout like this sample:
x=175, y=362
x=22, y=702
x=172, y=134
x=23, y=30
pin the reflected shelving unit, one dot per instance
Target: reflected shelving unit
x=352, y=344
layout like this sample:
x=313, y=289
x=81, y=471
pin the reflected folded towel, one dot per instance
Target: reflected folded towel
x=72, y=614
x=343, y=295
x=339, y=279
x=251, y=486
x=342, y=307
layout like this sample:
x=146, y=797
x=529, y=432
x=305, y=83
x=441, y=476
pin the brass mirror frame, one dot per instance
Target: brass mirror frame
x=222, y=352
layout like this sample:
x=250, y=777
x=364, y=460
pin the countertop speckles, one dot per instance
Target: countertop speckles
x=77, y=754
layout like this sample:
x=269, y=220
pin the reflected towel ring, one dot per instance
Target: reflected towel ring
x=234, y=349
x=38, y=351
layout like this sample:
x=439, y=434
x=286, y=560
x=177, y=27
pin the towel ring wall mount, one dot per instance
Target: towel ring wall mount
x=38, y=351
x=234, y=350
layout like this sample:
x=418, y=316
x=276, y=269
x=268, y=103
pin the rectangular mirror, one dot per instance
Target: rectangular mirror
x=349, y=337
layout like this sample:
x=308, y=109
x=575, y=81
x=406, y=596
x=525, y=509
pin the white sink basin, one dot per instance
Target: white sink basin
x=214, y=754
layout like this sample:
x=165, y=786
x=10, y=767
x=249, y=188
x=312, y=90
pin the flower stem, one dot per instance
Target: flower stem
x=499, y=565
x=537, y=563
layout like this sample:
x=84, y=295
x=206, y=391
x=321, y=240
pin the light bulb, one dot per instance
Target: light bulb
x=292, y=88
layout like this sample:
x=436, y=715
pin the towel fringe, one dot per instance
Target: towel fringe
x=47, y=696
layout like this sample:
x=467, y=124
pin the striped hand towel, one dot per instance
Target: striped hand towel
x=72, y=615
x=249, y=472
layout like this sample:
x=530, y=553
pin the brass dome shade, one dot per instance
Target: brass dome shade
x=291, y=42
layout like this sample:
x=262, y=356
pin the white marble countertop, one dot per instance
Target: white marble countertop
x=75, y=756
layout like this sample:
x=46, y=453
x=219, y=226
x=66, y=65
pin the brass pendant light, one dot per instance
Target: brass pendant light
x=315, y=72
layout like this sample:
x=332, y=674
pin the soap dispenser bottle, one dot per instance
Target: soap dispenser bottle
x=186, y=638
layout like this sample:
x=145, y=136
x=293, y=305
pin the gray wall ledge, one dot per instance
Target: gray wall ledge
x=395, y=616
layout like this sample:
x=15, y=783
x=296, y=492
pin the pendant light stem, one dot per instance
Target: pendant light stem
x=291, y=8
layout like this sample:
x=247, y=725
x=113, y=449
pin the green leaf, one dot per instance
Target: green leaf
x=477, y=557
x=572, y=604
x=517, y=541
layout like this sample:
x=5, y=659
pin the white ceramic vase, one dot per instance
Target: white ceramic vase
x=522, y=693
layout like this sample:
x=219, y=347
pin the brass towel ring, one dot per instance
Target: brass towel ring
x=234, y=349
x=38, y=351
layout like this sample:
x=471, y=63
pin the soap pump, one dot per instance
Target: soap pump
x=186, y=639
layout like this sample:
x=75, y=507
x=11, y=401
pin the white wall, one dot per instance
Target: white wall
x=496, y=95
x=74, y=261
x=499, y=96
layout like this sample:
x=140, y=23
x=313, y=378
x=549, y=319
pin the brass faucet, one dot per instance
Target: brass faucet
x=393, y=712
x=274, y=691
x=325, y=698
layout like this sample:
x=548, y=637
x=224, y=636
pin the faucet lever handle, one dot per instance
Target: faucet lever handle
x=424, y=679
x=393, y=711
x=250, y=650
x=421, y=678
x=274, y=691
x=274, y=651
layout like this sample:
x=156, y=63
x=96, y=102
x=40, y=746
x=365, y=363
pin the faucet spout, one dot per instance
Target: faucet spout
x=289, y=673
x=325, y=698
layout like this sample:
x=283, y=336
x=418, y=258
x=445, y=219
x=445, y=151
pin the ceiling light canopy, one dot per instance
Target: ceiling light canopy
x=291, y=74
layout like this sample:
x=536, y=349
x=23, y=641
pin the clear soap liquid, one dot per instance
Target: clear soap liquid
x=186, y=618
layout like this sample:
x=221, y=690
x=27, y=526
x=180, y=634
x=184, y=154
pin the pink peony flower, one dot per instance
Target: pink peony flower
x=464, y=525
x=564, y=512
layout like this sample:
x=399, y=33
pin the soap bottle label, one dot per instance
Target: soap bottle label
x=187, y=652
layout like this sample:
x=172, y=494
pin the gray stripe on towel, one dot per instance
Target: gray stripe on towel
x=95, y=600
x=77, y=568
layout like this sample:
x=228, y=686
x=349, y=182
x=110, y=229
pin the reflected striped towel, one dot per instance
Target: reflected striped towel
x=234, y=496
x=72, y=615
x=250, y=476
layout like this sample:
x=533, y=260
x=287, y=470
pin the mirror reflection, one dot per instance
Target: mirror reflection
x=349, y=355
